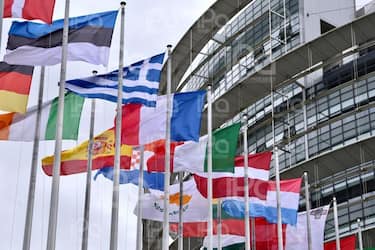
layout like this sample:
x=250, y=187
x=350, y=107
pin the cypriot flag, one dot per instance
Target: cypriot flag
x=194, y=204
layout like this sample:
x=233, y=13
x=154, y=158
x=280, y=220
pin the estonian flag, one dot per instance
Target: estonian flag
x=41, y=44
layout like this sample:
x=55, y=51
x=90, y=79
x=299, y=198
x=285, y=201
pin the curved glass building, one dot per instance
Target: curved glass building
x=304, y=73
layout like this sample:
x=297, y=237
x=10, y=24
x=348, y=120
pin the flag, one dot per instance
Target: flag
x=266, y=207
x=296, y=236
x=150, y=180
x=74, y=161
x=347, y=243
x=232, y=184
x=194, y=205
x=21, y=127
x=191, y=156
x=141, y=83
x=32, y=9
x=266, y=233
x=142, y=125
x=41, y=44
x=15, y=82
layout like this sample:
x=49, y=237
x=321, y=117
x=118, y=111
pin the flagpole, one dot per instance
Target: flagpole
x=209, y=166
x=167, y=153
x=116, y=170
x=336, y=220
x=219, y=224
x=54, y=205
x=1, y=19
x=180, y=211
x=279, y=221
x=86, y=213
x=308, y=208
x=139, y=208
x=360, y=239
x=34, y=166
x=246, y=186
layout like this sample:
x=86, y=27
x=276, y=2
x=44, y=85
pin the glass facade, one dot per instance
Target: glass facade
x=335, y=109
x=247, y=46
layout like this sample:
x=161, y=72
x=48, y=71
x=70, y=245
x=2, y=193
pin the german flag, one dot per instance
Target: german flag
x=15, y=82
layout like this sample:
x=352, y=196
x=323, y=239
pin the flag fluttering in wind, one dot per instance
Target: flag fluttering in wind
x=21, y=127
x=150, y=180
x=294, y=237
x=74, y=161
x=141, y=83
x=194, y=205
x=15, y=82
x=142, y=125
x=191, y=156
x=31, y=9
x=266, y=207
x=90, y=39
x=232, y=184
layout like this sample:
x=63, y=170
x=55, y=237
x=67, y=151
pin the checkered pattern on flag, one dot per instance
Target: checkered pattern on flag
x=141, y=83
x=136, y=159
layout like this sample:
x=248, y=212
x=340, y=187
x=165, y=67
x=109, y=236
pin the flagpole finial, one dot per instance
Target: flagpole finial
x=334, y=198
x=305, y=173
x=244, y=118
x=209, y=87
x=94, y=72
x=123, y=3
x=169, y=46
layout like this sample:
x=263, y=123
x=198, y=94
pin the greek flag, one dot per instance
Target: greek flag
x=141, y=83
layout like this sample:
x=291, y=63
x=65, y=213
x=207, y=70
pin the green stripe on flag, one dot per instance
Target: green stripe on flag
x=224, y=146
x=224, y=215
x=72, y=116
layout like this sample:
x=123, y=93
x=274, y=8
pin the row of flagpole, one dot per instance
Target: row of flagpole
x=51, y=239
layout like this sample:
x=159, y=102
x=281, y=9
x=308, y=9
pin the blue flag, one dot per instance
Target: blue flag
x=141, y=83
x=150, y=180
x=90, y=38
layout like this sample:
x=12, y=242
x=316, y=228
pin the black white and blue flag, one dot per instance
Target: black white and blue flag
x=141, y=83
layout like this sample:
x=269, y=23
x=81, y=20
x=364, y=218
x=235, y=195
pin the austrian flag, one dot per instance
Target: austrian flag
x=30, y=9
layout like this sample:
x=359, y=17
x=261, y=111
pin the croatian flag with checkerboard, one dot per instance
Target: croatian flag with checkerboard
x=141, y=83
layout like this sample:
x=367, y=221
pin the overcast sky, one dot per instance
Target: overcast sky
x=150, y=26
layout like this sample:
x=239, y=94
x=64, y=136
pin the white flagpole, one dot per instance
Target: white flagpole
x=246, y=186
x=336, y=220
x=279, y=219
x=219, y=224
x=54, y=205
x=1, y=19
x=116, y=170
x=180, y=213
x=139, y=208
x=34, y=167
x=360, y=239
x=86, y=213
x=209, y=166
x=308, y=208
x=167, y=153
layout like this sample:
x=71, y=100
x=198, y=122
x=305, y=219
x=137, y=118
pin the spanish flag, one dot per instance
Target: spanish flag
x=15, y=82
x=74, y=161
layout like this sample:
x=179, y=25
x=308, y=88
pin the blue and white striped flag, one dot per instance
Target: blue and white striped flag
x=141, y=83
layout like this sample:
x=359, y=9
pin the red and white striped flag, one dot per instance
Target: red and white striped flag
x=30, y=9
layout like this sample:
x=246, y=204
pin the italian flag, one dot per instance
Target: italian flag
x=21, y=127
x=192, y=156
